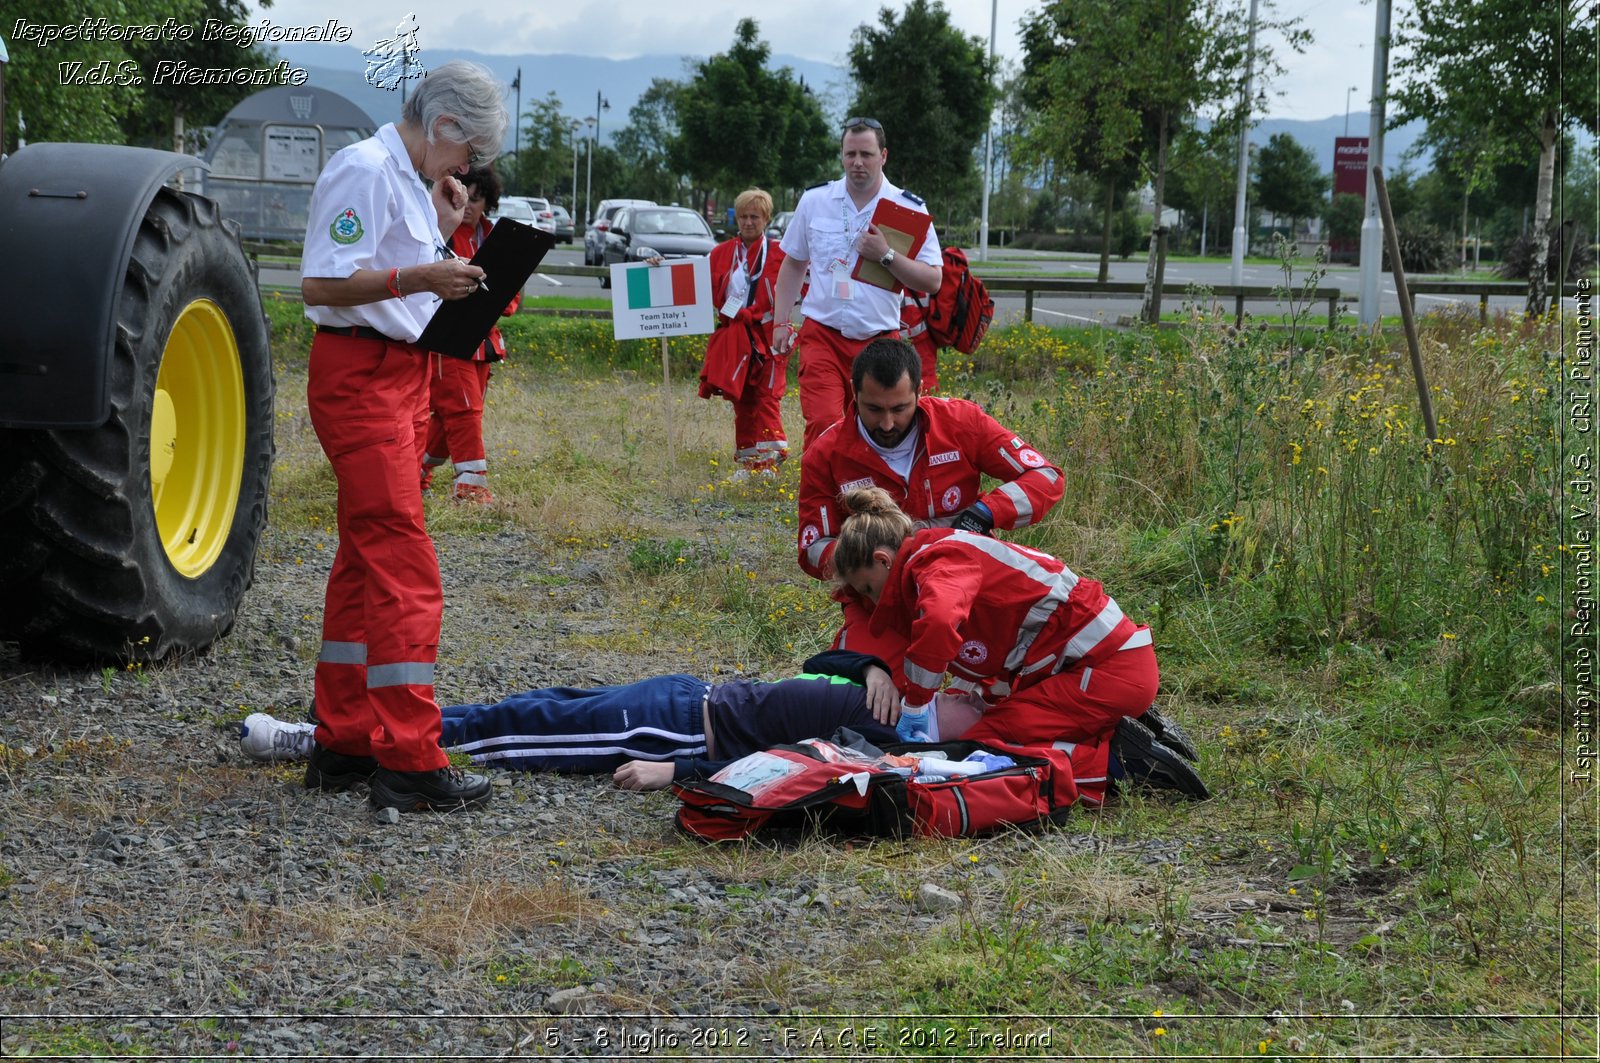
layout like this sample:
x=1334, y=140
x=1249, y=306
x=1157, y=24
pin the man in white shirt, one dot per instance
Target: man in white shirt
x=831, y=232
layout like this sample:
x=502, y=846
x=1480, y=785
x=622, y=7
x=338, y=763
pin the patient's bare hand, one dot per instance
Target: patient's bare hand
x=643, y=775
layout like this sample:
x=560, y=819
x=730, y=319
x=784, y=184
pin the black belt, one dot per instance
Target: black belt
x=360, y=332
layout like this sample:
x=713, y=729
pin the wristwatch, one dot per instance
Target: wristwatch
x=888, y=259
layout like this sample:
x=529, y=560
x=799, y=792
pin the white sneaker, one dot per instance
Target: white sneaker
x=263, y=737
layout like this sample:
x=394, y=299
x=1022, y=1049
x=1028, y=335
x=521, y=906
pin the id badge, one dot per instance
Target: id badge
x=843, y=286
x=731, y=308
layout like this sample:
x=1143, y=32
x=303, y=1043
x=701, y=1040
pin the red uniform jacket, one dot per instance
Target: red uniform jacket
x=960, y=442
x=465, y=242
x=984, y=610
x=722, y=264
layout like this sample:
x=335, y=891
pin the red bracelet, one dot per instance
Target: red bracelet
x=394, y=283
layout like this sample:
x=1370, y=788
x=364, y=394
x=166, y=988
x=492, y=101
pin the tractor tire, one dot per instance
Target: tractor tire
x=137, y=539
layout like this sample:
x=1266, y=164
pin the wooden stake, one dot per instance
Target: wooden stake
x=666, y=400
x=1392, y=239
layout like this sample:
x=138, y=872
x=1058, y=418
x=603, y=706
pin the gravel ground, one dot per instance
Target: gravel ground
x=160, y=893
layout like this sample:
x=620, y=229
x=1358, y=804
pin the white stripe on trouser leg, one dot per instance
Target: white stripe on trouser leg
x=1083, y=684
x=404, y=674
x=343, y=653
x=433, y=460
x=477, y=477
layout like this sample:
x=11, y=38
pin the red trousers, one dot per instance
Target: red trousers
x=1090, y=768
x=758, y=436
x=455, y=422
x=1079, y=704
x=826, y=391
x=380, y=621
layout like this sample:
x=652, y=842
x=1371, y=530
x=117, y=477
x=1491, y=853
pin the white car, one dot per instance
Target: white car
x=531, y=210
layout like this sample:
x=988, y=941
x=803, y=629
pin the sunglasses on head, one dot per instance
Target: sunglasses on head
x=862, y=123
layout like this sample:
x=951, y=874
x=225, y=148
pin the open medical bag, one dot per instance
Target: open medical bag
x=826, y=784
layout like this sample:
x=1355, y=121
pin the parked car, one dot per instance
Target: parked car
x=564, y=227
x=637, y=233
x=543, y=217
x=515, y=208
x=780, y=224
x=594, y=235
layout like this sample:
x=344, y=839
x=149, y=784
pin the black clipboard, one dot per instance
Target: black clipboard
x=508, y=257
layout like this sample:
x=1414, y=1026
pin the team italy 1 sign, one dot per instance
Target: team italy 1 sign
x=672, y=299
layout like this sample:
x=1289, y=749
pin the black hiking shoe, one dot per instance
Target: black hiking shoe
x=1148, y=761
x=333, y=772
x=1169, y=734
x=441, y=790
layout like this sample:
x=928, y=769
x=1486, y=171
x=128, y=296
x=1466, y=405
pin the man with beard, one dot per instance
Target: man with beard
x=929, y=454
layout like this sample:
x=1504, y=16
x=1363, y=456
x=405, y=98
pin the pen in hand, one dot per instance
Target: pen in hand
x=483, y=285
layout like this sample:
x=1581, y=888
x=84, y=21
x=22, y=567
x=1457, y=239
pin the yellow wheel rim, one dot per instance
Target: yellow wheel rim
x=197, y=428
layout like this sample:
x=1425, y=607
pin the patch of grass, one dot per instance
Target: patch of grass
x=1354, y=624
x=567, y=302
x=562, y=973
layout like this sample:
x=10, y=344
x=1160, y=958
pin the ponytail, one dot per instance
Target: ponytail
x=875, y=521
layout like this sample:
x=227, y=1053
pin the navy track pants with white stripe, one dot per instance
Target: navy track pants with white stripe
x=594, y=729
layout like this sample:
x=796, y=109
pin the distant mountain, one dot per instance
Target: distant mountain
x=1317, y=136
x=576, y=78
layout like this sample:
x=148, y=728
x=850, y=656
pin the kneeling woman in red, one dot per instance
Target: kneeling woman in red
x=1052, y=655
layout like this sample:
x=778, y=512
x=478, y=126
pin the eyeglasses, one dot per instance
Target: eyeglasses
x=476, y=160
x=860, y=123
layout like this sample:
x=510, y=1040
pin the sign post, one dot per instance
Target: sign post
x=672, y=299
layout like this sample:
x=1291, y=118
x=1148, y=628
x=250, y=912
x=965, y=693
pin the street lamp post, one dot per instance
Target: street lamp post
x=988, y=145
x=1372, y=224
x=573, y=140
x=1240, y=238
x=1347, y=92
x=588, y=181
x=600, y=104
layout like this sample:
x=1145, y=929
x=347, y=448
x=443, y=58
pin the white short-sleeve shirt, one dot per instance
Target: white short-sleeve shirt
x=823, y=231
x=370, y=210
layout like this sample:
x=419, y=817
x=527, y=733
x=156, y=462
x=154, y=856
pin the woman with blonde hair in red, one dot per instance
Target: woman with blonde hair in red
x=1051, y=653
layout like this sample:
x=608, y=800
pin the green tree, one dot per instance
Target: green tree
x=649, y=146
x=741, y=123
x=930, y=86
x=1081, y=117
x=1203, y=176
x=543, y=165
x=1287, y=179
x=172, y=114
x=40, y=85
x=1494, y=68
x=1343, y=217
x=1121, y=78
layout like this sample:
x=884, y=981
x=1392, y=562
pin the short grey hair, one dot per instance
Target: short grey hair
x=471, y=97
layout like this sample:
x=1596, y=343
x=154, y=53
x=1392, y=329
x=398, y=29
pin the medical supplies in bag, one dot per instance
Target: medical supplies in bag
x=923, y=789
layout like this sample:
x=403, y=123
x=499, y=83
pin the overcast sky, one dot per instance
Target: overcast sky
x=1315, y=86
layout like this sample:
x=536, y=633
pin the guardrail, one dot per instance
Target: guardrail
x=1482, y=289
x=1239, y=292
x=1029, y=287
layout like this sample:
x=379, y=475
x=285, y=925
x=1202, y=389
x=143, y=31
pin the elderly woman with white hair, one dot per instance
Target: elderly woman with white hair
x=374, y=269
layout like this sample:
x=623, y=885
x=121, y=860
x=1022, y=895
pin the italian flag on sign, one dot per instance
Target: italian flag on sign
x=661, y=286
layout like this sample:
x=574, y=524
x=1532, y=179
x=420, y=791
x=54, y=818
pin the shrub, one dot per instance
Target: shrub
x=1517, y=262
x=1423, y=249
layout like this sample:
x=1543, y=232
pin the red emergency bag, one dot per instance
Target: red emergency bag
x=821, y=784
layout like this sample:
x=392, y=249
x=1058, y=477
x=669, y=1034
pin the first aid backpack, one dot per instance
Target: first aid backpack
x=959, y=313
x=823, y=784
